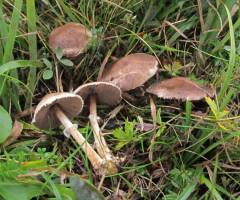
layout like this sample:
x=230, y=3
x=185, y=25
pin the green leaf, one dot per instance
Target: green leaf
x=124, y=136
x=53, y=187
x=119, y=134
x=223, y=114
x=84, y=190
x=47, y=74
x=214, y=108
x=160, y=130
x=66, y=62
x=19, y=64
x=5, y=124
x=59, y=53
x=7, y=67
x=47, y=63
x=121, y=144
x=11, y=189
x=212, y=105
x=174, y=67
x=66, y=193
x=129, y=129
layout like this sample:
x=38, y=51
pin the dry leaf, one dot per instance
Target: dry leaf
x=144, y=127
x=15, y=133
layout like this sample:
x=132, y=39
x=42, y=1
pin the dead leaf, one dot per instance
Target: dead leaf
x=26, y=112
x=15, y=133
x=153, y=112
x=144, y=127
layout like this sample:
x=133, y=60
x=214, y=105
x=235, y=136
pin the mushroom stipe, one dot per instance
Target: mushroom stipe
x=94, y=158
x=103, y=93
x=51, y=111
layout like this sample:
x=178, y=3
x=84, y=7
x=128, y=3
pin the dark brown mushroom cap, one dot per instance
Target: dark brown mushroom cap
x=131, y=71
x=180, y=88
x=106, y=93
x=44, y=118
x=73, y=38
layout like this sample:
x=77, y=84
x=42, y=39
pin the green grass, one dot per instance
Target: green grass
x=7, y=56
x=32, y=42
x=231, y=64
x=194, y=151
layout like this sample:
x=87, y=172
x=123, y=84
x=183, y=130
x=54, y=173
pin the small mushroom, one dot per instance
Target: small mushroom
x=103, y=93
x=72, y=37
x=131, y=71
x=180, y=88
x=59, y=108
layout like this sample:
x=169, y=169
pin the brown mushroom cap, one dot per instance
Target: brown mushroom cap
x=106, y=93
x=180, y=88
x=131, y=71
x=70, y=104
x=72, y=37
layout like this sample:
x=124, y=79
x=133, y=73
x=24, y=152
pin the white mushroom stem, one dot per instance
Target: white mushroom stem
x=96, y=161
x=100, y=142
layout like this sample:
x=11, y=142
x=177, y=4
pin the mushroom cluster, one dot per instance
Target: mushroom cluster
x=126, y=74
x=59, y=108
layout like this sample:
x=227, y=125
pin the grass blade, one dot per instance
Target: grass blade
x=68, y=11
x=8, y=48
x=32, y=42
x=211, y=187
x=229, y=96
x=221, y=44
x=188, y=110
x=19, y=64
x=3, y=25
x=229, y=73
x=13, y=27
x=187, y=191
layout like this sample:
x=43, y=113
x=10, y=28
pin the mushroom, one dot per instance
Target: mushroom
x=180, y=88
x=131, y=71
x=72, y=37
x=59, y=108
x=103, y=93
